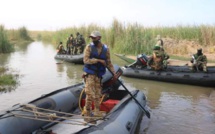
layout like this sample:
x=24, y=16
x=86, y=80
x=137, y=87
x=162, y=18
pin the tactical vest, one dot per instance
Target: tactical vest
x=97, y=68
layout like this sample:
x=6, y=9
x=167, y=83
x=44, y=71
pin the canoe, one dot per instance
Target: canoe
x=77, y=59
x=175, y=74
x=20, y=119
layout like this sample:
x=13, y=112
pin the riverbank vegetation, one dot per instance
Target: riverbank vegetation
x=8, y=38
x=8, y=81
x=5, y=45
x=135, y=38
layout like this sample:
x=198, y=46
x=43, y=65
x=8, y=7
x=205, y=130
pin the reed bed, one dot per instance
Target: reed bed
x=134, y=38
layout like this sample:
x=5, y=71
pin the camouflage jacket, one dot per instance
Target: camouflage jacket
x=199, y=58
x=80, y=40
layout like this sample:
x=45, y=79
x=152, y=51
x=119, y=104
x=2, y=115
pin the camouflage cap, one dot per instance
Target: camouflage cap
x=95, y=34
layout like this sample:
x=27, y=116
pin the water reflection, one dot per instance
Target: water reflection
x=175, y=108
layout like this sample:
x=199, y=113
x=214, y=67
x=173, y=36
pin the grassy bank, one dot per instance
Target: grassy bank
x=8, y=81
x=135, y=38
x=8, y=38
x=5, y=45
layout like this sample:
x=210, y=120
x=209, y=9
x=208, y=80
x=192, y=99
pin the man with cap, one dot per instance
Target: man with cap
x=199, y=61
x=96, y=58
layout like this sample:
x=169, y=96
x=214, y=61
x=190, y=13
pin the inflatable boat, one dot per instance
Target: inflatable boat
x=77, y=59
x=39, y=115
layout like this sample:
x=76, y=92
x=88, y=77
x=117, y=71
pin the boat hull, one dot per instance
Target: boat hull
x=175, y=74
x=77, y=59
x=64, y=100
x=122, y=119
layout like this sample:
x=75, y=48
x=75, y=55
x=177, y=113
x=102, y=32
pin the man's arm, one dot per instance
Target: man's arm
x=87, y=59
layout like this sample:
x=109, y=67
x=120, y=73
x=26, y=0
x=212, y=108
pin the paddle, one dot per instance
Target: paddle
x=146, y=111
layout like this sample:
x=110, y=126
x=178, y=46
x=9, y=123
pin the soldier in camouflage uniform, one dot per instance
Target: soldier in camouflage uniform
x=96, y=58
x=80, y=42
x=158, y=61
x=70, y=44
x=159, y=42
x=199, y=61
x=60, y=49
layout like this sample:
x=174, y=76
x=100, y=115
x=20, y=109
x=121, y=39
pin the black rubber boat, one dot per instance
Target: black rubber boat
x=175, y=74
x=67, y=100
x=77, y=59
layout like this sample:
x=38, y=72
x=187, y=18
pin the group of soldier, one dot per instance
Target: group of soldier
x=158, y=60
x=74, y=45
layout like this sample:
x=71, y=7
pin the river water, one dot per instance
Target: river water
x=174, y=108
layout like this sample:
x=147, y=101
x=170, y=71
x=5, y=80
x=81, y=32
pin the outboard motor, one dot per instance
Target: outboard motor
x=141, y=61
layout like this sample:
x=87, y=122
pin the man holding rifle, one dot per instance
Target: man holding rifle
x=199, y=61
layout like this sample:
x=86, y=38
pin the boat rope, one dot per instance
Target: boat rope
x=48, y=110
x=34, y=110
x=51, y=117
x=25, y=116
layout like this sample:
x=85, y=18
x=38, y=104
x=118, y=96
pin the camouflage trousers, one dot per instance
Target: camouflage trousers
x=200, y=67
x=93, y=92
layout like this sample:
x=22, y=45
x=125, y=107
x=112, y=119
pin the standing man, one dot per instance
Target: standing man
x=159, y=42
x=70, y=44
x=96, y=58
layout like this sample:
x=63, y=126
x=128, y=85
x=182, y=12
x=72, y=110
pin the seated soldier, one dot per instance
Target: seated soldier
x=158, y=61
x=199, y=61
x=60, y=49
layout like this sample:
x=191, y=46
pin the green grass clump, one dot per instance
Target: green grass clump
x=7, y=79
x=5, y=45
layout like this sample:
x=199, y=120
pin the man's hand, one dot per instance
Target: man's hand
x=102, y=61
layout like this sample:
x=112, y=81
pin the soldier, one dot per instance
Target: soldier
x=199, y=61
x=80, y=42
x=96, y=58
x=158, y=61
x=60, y=49
x=70, y=44
x=83, y=43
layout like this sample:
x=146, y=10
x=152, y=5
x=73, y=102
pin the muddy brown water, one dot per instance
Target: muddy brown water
x=174, y=108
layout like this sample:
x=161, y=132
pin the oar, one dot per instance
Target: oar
x=146, y=111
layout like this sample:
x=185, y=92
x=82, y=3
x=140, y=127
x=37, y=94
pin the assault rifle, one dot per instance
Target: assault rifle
x=195, y=63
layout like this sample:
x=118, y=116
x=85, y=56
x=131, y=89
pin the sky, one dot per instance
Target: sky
x=59, y=14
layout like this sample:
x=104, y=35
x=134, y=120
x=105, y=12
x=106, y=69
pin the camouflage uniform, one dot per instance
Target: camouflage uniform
x=159, y=42
x=60, y=49
x=158, y=61
x=199, y=62
x=70, y=44
x=93, y=82
x=80, y=42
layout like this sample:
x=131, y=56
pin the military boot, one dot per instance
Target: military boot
x=98, y=113
x=87, y=116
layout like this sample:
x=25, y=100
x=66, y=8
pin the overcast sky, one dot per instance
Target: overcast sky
x=57, y=14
